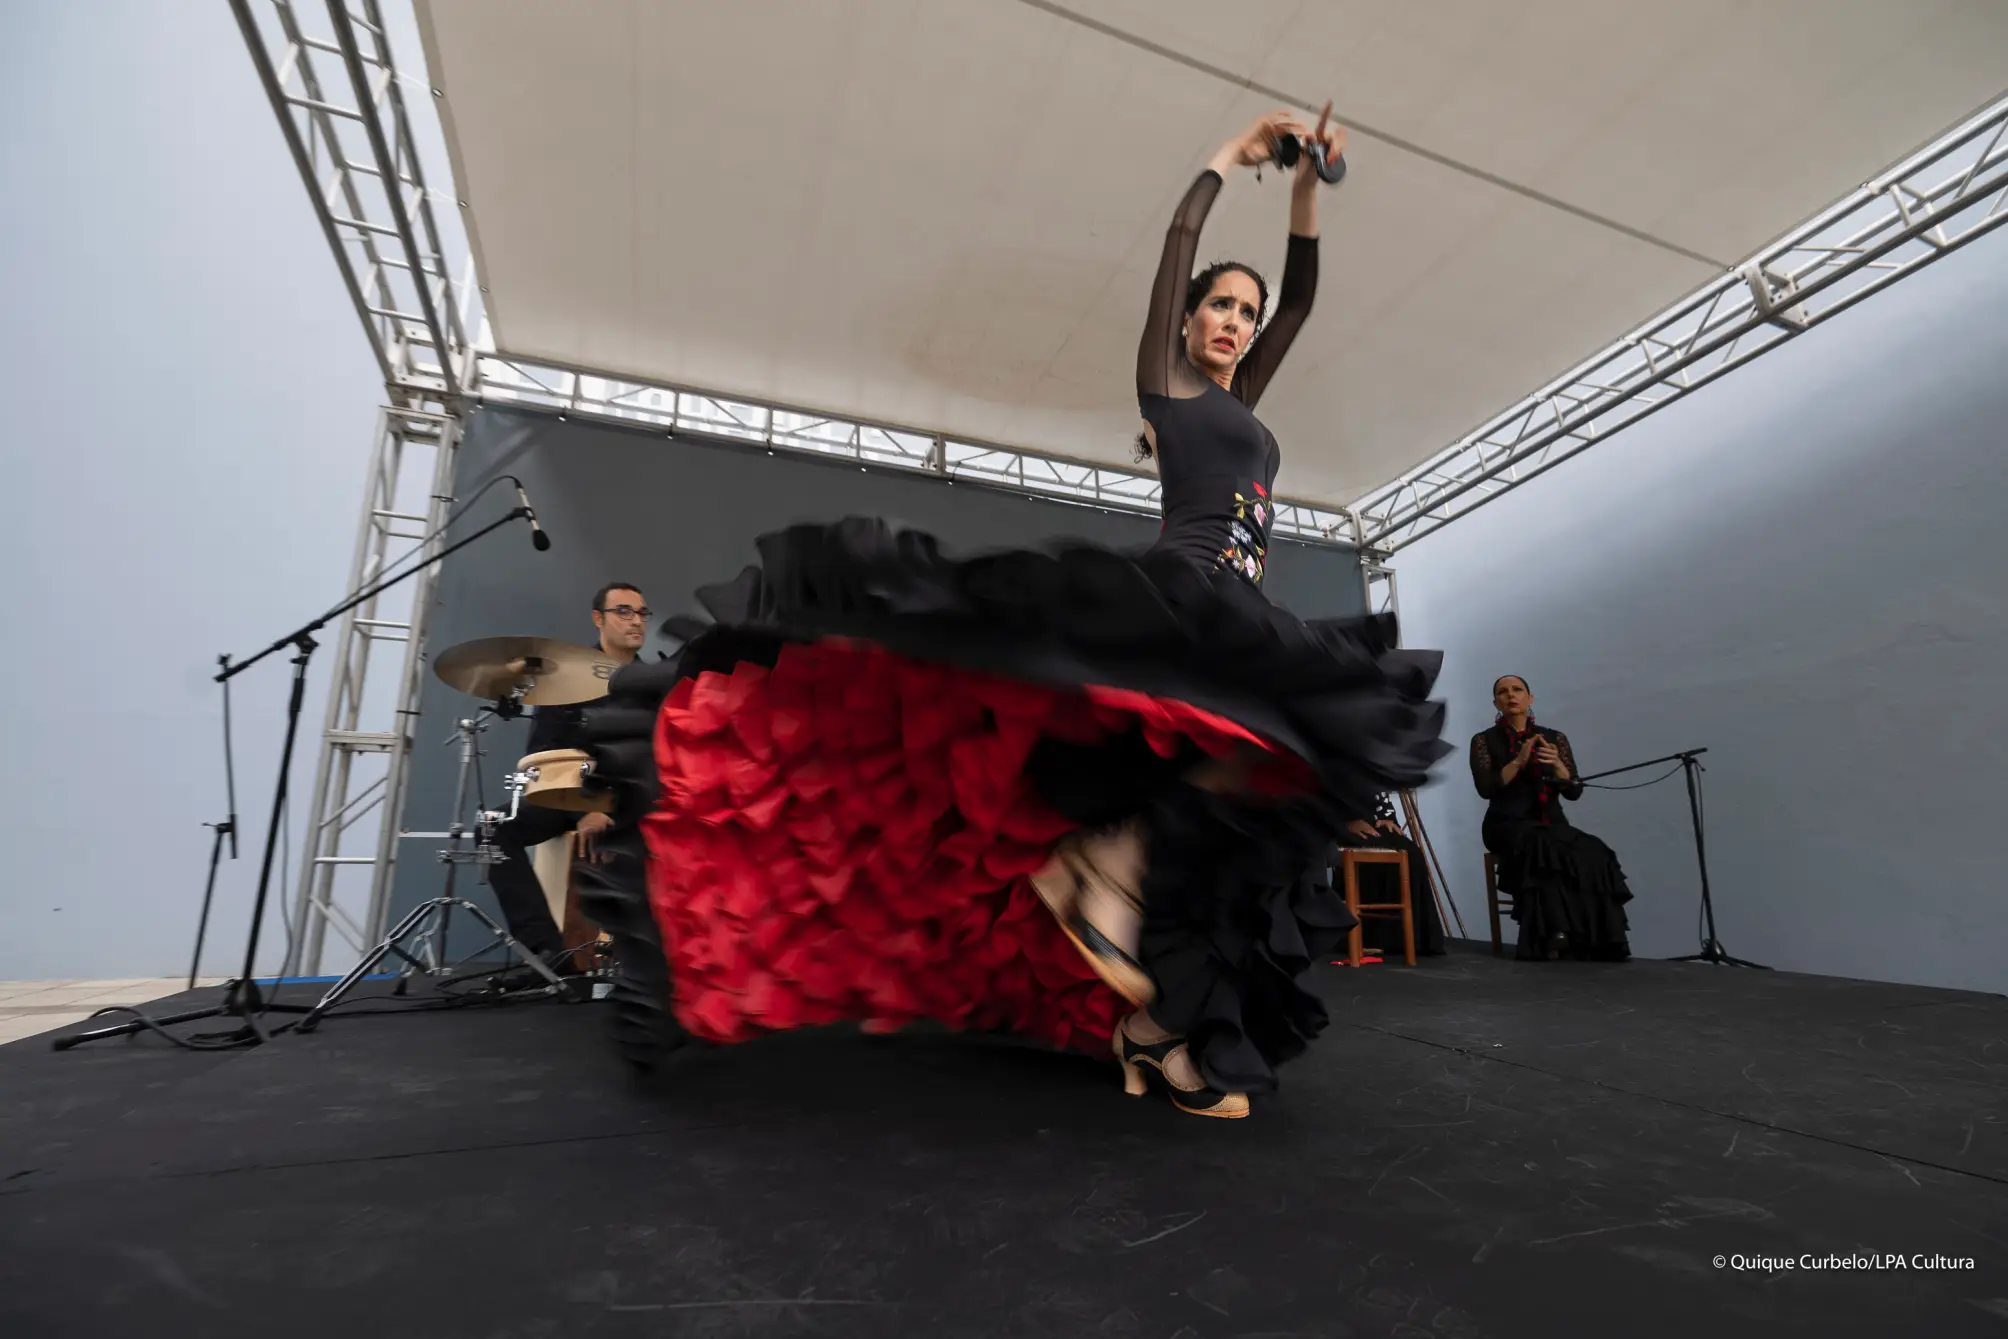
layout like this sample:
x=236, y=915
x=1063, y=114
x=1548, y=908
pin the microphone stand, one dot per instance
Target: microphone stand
x=1712, y=951
x=242, y=999
x=227, y=828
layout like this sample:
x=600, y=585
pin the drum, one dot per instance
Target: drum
x=558, y=779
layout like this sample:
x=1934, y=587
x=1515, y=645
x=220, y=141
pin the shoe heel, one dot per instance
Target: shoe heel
x=1055, y=883
x=1059, y=884
x=1133, y=1083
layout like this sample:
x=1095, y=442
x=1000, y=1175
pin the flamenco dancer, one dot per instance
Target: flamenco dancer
x=1074, y=795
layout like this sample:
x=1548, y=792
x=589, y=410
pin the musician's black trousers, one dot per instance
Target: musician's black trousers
x=515, y=879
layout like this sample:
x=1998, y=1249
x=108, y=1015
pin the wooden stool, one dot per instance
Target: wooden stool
x=1495, y=901
x=1350, y=860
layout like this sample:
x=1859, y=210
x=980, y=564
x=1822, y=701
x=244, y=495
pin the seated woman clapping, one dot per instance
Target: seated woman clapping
x=1568, y=892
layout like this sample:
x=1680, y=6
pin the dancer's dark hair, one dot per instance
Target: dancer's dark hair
x=1195, y=293
x=1504, y=677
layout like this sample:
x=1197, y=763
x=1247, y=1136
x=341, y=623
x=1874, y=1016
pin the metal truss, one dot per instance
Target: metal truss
x=1378, y=583
x=1925, y=207
x=703, y=415
x=341, y=106
x=340, y=103
x=361, y=772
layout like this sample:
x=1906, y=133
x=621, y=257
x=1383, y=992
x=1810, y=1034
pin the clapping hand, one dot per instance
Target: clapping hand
x=1550, y=757
x=1331, y=136
x=1258, y=145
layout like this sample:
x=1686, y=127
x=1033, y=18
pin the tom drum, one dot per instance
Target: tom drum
x=561, y=779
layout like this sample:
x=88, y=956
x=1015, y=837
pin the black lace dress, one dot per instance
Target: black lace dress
x=1568, y=890
x=838, y=789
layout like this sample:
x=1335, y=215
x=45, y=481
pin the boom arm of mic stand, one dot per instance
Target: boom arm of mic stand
x=230, y=672
x=1711, y=947
x=1681, y=758
x=243, y=999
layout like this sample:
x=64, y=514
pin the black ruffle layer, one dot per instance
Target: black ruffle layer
x=1237, y=912
x=1568, y=890
x=1336, y=692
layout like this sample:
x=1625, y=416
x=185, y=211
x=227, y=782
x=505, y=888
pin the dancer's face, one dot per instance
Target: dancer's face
x=1511, y=697
x=1217, y=334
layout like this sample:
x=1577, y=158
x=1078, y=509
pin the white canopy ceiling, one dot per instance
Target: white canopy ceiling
x=946, y=213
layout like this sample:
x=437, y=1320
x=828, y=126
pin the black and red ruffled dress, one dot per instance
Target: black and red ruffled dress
x=832, y=799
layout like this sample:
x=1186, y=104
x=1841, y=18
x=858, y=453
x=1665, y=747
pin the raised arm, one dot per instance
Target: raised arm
x=1293, y=305
x=1161, y=365
x=1300, y=272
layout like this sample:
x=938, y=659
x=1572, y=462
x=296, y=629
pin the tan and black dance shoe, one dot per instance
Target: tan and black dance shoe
x=1132, y=1055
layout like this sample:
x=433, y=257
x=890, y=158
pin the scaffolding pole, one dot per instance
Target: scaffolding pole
x=1946, y=195
x=341, y=106
x=361, y=771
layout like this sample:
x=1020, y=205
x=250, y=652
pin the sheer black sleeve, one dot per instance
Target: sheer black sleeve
x=1485, y=771
x=1161, y=365
x=1572, y=789
x=1293, y=305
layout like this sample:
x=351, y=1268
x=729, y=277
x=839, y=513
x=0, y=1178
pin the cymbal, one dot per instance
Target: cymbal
x=551, y=673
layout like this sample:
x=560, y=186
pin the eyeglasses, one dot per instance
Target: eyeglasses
x=628, y=611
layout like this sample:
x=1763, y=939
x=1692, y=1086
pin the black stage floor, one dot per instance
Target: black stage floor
x=1476, y=1148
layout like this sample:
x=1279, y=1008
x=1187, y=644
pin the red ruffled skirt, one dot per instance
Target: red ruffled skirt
x=848, y=835
x=829, y=803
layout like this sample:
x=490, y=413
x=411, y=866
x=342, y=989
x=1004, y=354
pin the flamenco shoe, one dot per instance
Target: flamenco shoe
x=1090, y=887
x=1132, y=1055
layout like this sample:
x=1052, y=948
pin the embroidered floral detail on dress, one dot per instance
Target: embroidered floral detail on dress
x=1247, y=550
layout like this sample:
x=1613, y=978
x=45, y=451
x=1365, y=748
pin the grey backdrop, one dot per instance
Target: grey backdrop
x=1803, y=569
x=624, y=504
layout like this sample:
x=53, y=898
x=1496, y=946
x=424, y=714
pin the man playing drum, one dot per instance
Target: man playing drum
x=622, y=620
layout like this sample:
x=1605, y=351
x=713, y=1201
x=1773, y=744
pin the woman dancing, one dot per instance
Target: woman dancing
x=1568, y=893
x=1073, y=795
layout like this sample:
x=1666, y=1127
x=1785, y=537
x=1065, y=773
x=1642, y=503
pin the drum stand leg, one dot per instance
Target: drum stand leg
x=430, y=920
x=427, y=918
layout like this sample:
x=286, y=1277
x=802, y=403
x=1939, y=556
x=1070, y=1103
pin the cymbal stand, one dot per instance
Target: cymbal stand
x=429, y=922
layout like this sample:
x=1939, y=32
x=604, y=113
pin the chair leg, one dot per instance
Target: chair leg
x=1356, y=941
x=1492, y=907
x=1407, y=917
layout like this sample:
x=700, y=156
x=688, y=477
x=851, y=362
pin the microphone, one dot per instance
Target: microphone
x=537, y=535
